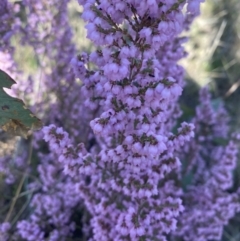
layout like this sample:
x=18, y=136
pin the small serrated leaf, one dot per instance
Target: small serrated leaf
x=15, y=118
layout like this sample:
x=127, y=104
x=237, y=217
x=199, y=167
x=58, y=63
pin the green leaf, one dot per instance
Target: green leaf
x=15, y=118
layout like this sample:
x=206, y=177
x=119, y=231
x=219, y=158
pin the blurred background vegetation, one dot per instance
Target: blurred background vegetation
x=214, y=52
x=213, y=58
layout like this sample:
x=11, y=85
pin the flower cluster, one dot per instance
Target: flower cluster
x=4, y=231
x=209, y=160
x=117, y=158
x=138, y=95
x=51, y=195
x=9, y=27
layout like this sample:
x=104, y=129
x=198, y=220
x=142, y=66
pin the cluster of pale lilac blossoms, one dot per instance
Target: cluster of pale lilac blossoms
x=129, y=184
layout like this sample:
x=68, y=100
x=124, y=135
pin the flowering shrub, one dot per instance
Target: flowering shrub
x=113, y=159
x=211, y=157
